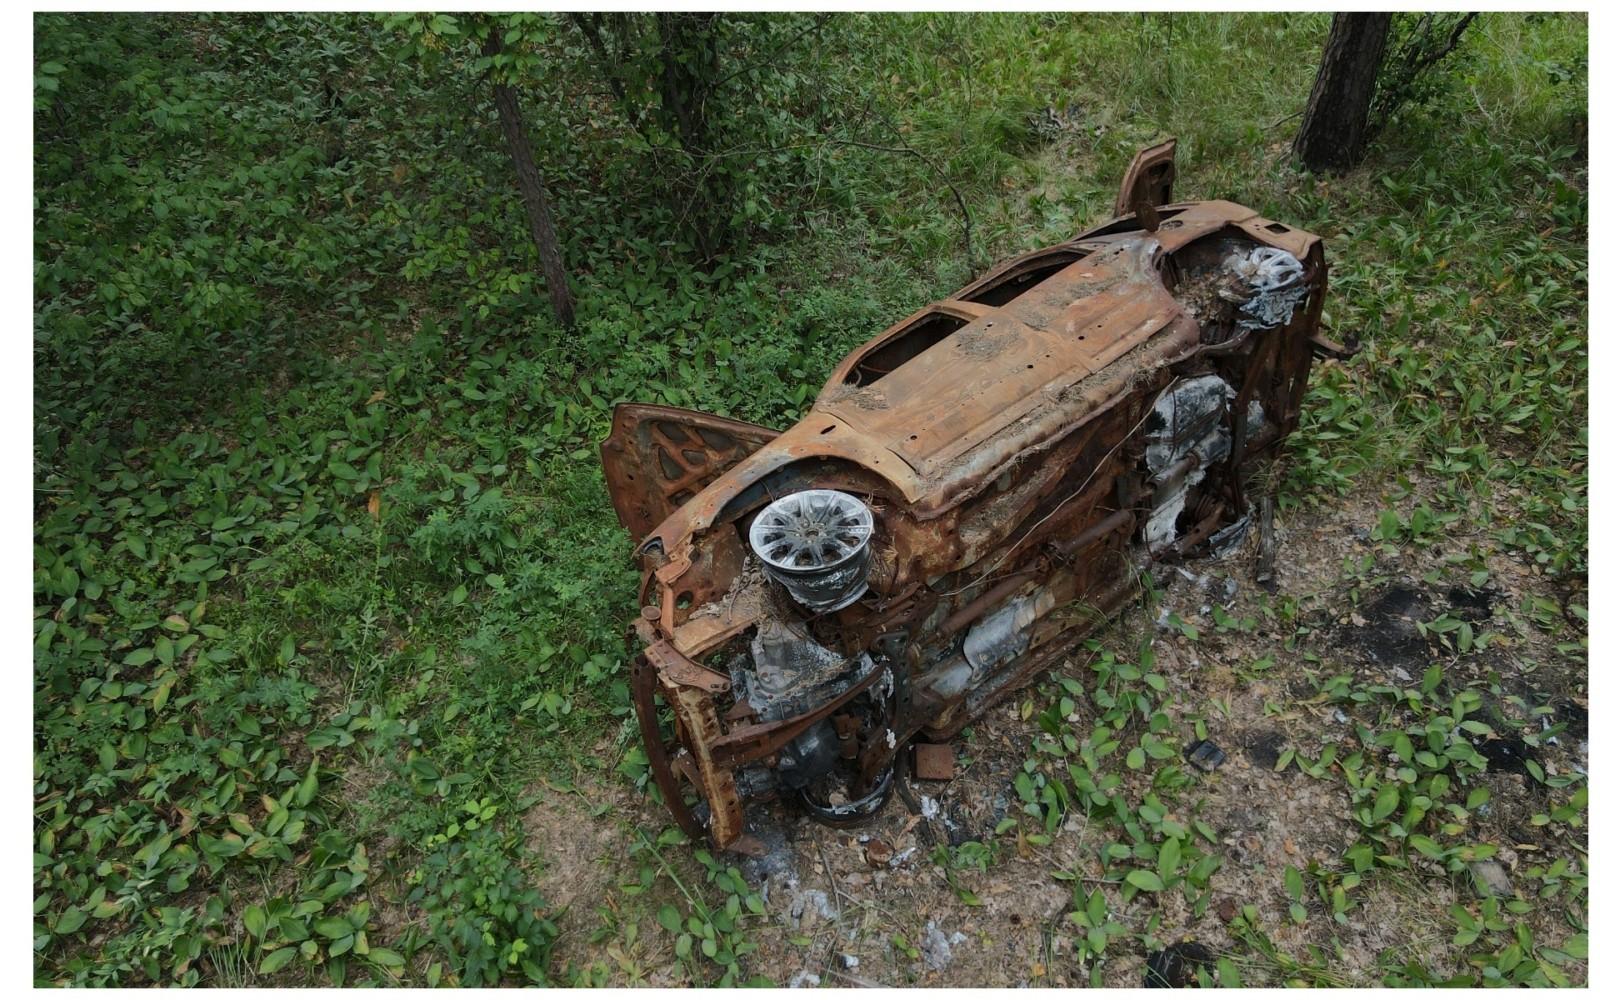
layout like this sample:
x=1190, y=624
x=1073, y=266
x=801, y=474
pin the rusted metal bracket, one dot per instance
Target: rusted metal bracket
x=682, y=670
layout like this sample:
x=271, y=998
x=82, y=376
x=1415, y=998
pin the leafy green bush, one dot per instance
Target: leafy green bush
x=484, y=915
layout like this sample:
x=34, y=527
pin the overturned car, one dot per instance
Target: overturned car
x=974, y=490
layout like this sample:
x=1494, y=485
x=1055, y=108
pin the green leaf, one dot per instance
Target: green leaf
x=1402, y=747
x=1167, y=859
x=1292, y=882
x=333, y=928
x=255, y=921
x=670, y=918
x=307, y=789
x=1228, y=974
x=1427, y=846
x=276, y=960
x=70, y=920
x=1095, y=908
x=1387, y=802
x=1147, y=880
x=386, y=958
x=1360, y=856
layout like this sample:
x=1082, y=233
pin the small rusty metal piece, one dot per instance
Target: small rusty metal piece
x=878, y=853
x=749, y=846
x=933, y=762
x=847, y=728
x=1014, y=456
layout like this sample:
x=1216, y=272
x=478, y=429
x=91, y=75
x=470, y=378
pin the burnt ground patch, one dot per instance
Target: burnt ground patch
x=1507, y=756
x=1574, y=716
x=1175, y=967
x=1473, y=605
x=1264, y=746
x=1388, y=630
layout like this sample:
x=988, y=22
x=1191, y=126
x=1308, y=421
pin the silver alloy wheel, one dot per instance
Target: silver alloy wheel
x=811, y=531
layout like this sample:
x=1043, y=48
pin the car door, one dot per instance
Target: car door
x=658, y=457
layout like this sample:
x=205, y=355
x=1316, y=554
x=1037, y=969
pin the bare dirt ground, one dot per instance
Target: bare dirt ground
x=836, y=918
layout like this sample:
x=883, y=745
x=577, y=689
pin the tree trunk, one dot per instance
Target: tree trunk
x=688, y=71
x=1333, y=133
x=531, y=182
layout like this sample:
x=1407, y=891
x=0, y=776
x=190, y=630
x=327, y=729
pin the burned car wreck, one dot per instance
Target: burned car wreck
x=974, y=491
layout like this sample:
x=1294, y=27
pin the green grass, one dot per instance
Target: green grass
x=324, y=565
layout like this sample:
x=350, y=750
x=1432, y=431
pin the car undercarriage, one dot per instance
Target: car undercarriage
x=973, y=492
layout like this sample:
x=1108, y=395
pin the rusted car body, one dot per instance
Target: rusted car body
x=974, y=490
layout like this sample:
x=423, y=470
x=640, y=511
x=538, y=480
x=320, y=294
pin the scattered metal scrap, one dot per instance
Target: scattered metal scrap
x=934, y=762
x=973, y=492
x=1204, y=755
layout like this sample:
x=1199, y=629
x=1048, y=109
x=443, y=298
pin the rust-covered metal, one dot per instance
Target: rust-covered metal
x=1024, y=447
x=1147, y=184
x=934, y=762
